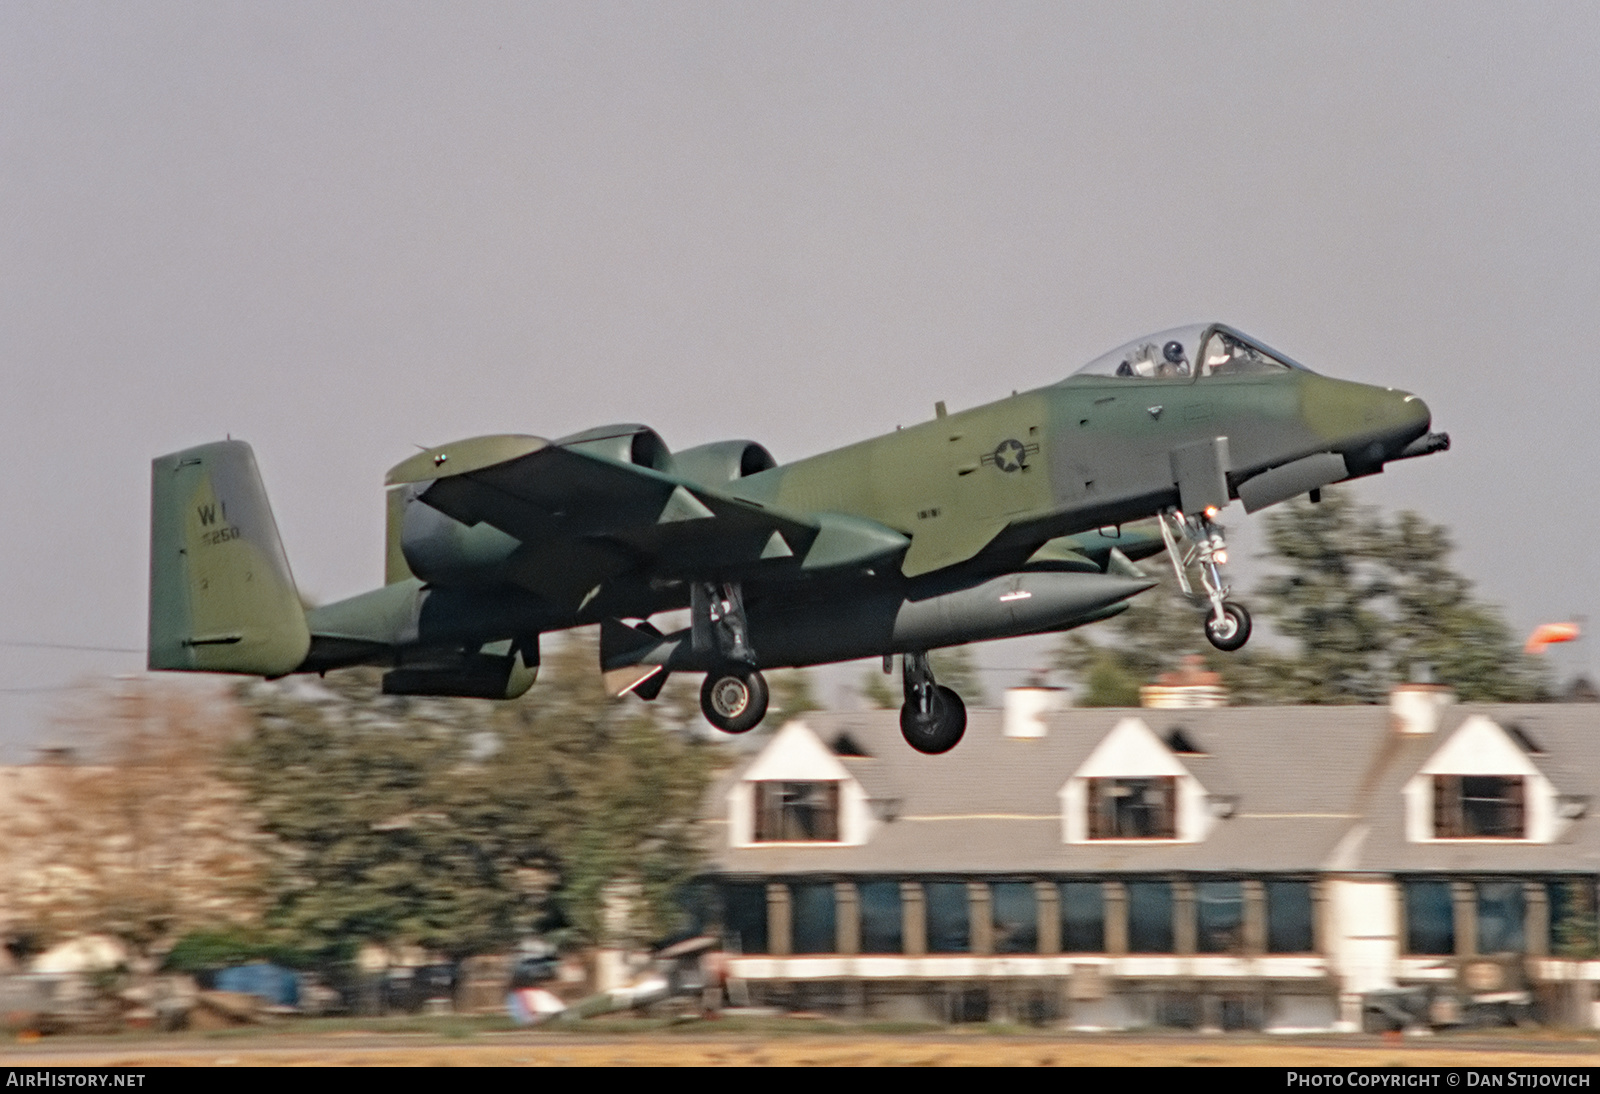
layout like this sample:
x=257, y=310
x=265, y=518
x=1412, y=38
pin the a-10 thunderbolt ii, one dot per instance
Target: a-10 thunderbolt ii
x=1002, y=520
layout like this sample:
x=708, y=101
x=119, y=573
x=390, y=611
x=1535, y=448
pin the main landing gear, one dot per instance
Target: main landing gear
x=1198, y=541
x=933, y=718
x=734, y=699
x=734, y=695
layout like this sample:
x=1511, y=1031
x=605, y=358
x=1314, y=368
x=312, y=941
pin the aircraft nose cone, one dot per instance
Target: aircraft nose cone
x=1393, y=420
x=1413, y=412
x=1410, y=418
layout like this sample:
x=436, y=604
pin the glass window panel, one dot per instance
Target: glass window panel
x=744, y=917
x=1500, y=917
x=1227, y=354
x=797, y=812
x=1430, y=917
x=1289, y=917
x=1168, y=355
x=812, y=918
x=1083, y=917
x=1479, y=807
x=1014, y=908
x=1133, y=808
x=948, y=918
x=1149, y=917
x=1219, y=917
x=1573, y=927
x=1491, y=805
x=882, y=917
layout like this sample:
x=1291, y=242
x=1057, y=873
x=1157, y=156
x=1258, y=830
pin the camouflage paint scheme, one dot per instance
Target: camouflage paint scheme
x=999, y=520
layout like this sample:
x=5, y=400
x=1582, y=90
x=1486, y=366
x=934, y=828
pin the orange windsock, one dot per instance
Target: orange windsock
x=1546, y=634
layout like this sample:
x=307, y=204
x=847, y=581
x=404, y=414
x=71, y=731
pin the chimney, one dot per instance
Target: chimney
x=1026, y=708
x=1414, y=709
x=1191, y=686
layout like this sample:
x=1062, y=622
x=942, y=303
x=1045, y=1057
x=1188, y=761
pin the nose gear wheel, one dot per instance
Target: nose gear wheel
x=1233, y=632
x=1199, y=541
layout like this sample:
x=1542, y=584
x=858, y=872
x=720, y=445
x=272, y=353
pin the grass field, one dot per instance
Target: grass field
x=470, y=1042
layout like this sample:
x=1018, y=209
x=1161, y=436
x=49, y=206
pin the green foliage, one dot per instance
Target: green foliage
x=1364, y=602
x=878, y=689
x=1326, y=598
x=1575, y=930
x=955, y=667
x=1112, y=659
x=223, y=948
x=460, y=825
x=792, y=694
x=1371, y=602
x=1109, y=681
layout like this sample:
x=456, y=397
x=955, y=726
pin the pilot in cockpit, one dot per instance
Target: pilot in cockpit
x=1175, y=360
x=1171, y=362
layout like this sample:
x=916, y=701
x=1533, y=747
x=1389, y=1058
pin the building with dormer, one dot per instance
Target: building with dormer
x=1277, y=868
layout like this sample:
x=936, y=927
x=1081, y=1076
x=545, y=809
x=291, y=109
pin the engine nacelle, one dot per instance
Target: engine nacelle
x=721, y=462
x=441, y=549
x=626, y=443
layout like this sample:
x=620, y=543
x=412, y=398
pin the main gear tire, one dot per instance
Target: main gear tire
x=941, y=728
x=1234, y=630
x=734, y=699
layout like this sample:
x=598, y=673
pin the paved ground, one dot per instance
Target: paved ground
x=663, y=1048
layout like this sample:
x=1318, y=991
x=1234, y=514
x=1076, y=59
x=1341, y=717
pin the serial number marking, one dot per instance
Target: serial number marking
x=221, y=535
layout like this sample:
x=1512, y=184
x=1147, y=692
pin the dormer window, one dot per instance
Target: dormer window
x=1133, y=808
x=797, y=812
x=1479, y=807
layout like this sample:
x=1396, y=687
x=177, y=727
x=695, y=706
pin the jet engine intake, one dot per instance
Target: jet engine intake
x=721, y=462
x=626, y=443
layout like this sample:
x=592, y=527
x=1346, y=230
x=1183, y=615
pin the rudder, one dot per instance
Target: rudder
x=222, y=598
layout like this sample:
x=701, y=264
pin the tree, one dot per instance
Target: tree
x=1110, y=661
x=792, y=694
x=1326, y=599
x=460, y=825
x=1372, y=602
x=136, y=834
x=878, y=690
x=1364, y=603
x=1440, y=628
x=955, y=667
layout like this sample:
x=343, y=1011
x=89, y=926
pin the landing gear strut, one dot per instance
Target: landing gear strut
x=933, y=718
x=734, y=695
x=1199, y=541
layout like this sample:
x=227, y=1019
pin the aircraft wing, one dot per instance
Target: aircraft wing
x=544, y=493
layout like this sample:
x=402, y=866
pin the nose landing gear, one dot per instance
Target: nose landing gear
x=1199, y=541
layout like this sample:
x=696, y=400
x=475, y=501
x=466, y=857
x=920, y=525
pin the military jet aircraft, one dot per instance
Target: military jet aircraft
x=1006, y=519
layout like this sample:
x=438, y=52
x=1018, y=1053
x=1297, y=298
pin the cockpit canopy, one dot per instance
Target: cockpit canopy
x=1203, y=349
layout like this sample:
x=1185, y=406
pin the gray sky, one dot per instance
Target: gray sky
x=338, y=230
